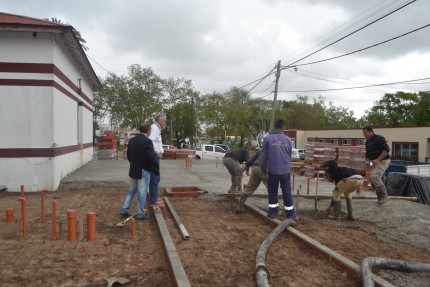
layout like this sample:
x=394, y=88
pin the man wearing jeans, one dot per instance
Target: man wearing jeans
x=377, y=152
x=155, y=136
x=276, y=158
x=140, y=154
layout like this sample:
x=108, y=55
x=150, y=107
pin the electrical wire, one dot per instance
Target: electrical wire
x=358, y=87
x=356, y=23
x=363, y=49
x=349, y=34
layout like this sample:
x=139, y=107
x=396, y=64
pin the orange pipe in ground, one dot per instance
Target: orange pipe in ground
x=54, y=220
x=294, y=178
x=91, y=225
x=133, y=228
x=9, y=214
x=42, y=195
x=188, y=162
x=24, y=216
x=71, y=224
x=309, y=180
x=22, y=190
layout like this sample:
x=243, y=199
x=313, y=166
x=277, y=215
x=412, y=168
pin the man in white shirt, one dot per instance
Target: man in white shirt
x=155, y=136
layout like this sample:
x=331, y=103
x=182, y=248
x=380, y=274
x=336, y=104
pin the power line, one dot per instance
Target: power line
x=353, y=32
x=260, y=79
x=352, y=25
x=359, y=50
x=358, y=87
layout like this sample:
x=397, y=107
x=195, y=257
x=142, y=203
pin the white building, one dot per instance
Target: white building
x=46, y=107
x=406, y=143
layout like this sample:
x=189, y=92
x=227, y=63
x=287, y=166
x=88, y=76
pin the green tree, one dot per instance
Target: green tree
x=181, y=103
x=400, y=109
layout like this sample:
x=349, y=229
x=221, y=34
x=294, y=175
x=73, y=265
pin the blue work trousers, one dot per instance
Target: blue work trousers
x=153, y=186
x=273, y=181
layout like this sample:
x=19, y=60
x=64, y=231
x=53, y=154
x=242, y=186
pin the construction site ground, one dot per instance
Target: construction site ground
x=222, y=247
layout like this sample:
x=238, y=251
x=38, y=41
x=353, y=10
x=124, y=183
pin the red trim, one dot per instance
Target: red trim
x=40, y=152
x=42, y=69
x=42, y=83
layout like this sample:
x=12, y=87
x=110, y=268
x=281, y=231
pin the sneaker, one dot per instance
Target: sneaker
x=145, y=217
x=124, y=215
x=157, y=204
x=271, y=215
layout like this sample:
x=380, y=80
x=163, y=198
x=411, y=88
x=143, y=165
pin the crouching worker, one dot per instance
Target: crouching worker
x=346, y=181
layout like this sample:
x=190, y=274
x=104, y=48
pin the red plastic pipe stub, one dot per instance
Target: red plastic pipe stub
x=91, y=225
x=9, y=214
x=71, y=224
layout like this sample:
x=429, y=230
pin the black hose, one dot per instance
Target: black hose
x=261, y=272
x=400, y=265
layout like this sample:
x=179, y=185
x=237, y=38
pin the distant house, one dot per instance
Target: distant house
x=46, y=103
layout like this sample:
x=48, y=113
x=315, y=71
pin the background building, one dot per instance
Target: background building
x=406, y=143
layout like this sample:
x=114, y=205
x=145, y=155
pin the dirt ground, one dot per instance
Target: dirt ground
x=221, y=249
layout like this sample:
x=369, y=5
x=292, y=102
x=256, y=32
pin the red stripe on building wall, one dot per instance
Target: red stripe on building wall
x=40, y=152
x=26, y=68
x=42, y=83
x=43, y=69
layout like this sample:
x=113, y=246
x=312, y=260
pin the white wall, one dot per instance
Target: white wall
x=41, y=117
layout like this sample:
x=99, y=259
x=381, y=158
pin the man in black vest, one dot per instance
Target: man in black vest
x=377, y=153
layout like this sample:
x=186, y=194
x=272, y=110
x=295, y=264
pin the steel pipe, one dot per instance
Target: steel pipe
x=394, y=264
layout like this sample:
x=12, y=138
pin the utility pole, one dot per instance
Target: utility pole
x=278, y=74
x=192, y=121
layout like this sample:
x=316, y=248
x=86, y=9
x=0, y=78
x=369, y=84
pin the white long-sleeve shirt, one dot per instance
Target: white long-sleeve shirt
x=155, y=136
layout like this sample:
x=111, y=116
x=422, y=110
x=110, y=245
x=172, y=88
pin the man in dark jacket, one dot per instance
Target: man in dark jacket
x=377, y=152
x=143, y=161
x=233, y=161
x=346, y=181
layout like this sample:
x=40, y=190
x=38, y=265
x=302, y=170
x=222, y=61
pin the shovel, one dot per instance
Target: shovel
x=122, y=223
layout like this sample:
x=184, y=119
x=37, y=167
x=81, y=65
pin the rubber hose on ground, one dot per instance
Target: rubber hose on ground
x=261, y=274
x=385, y=263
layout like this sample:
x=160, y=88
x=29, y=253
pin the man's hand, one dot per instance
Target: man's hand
x=243, y=168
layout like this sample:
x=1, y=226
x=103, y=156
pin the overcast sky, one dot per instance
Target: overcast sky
x=219, y=44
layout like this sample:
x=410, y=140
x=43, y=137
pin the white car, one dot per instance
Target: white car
x=301, y=153
x=295, y=155
x=167, y=146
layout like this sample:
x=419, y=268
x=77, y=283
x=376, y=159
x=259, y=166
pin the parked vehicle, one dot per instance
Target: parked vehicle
x=167, y=146
x=210, y=151
x=301, y=153
x=295, y=155
x=224, y=146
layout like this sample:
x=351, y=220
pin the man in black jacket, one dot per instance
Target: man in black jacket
x=377, y=152
x=346, y=181
x=142, y=158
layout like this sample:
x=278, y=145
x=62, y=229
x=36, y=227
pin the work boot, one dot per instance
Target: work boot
x=349, y=208
x=239, y=207
x=337, y=211
x=330, y=207
x=383, y=197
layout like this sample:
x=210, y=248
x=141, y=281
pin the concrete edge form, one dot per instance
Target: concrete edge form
x=177, y=269
x=353, y=268
x=181, y=226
